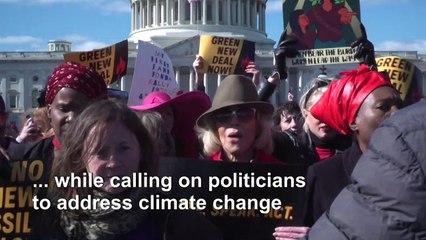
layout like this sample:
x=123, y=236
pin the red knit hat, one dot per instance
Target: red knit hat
x=77, y=77
x=339, y=105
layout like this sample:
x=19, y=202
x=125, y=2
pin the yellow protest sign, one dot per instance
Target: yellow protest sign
x=110, y=62
x=224, y=55
x=16, y=198
x=400, y=72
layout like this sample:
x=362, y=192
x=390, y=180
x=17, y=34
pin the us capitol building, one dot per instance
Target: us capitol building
x=175, y=26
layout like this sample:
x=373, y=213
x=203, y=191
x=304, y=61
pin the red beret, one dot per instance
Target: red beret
x=339, y=105
x=77, y=77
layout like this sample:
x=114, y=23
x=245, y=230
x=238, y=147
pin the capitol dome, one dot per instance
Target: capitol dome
x=174, y=20
x=176, y=26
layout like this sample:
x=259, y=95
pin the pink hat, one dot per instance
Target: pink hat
x=152, y=101
x=186, y=102
x=187, y=107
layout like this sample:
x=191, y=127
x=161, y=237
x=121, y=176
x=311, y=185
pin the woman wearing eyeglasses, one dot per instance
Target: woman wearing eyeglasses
x=237, y=127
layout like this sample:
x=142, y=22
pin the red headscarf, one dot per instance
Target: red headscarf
x=77, y=77
x=339, y=105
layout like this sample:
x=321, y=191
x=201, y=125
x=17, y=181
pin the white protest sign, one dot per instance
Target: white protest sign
x=322, y=56
x=153, y=72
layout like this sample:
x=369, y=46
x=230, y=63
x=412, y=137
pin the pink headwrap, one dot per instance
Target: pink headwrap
x=77, y=77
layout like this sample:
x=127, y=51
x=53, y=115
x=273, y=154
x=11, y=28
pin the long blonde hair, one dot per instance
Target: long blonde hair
x=263, y=140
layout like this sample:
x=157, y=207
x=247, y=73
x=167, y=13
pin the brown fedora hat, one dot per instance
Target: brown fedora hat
x=235, y=90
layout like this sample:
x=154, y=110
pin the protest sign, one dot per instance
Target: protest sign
x=399, y=71
x=322, y=25
x=224, y=55
x=230, y=188
x=244, y=200
x=110, y=62
x=322, y=57
x=153, y=72
x=17, y=216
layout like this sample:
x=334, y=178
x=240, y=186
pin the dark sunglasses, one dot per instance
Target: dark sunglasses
x=242, y=115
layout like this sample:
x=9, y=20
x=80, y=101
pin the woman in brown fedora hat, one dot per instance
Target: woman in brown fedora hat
x=237, y=127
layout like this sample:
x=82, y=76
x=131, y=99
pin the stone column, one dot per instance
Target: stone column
x=191, y=79
x=148, y=13
x=174, y=13
x=137, y=6
x=206, y=86
x=179, y=11
x=191, y=13
x=162, y=14
x=253, y=14
x=204, y=12
x=157, y=13
x=143, y=16
x=139, y=14
x=216, y=12
x=177, y=75
x=135, y=16
x=248, y=13
x=122, y=83
x=228, y=12
x=239, y=20
x=168, y=11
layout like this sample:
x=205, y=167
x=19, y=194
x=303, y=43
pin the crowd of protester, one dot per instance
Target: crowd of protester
x=334, y=131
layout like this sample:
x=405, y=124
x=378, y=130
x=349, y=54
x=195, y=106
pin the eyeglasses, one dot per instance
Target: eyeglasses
x=242, y=115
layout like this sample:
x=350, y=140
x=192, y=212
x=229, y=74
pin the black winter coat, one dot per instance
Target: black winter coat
x=326, y=179
x=42, y=219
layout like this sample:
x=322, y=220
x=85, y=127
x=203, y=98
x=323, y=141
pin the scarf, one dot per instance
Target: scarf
x=56, y=144
x=324, y=148
x=328, y=148
x=107, y=223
